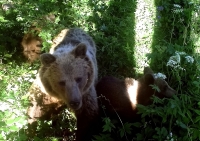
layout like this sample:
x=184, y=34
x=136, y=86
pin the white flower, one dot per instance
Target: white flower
x=179, y=67
x=177, y=5
x=177, y=58
x=170, y=134
x=189, y=59
x=175, y=61
x=159, y=75
x=19, y=18
x=172, y=63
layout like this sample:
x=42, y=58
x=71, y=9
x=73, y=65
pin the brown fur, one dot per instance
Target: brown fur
x=70, y=74
x=122, y=96
x=32, y=45
x=31, y=42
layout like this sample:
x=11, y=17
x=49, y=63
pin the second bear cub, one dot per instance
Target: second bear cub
x=122, y=96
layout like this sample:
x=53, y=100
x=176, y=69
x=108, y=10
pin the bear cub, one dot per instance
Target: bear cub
x=32, y=45
x=122, y=96
x=70, y=74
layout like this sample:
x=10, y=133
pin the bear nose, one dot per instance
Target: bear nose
x=74, y=105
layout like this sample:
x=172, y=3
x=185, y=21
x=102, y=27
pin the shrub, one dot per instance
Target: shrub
x=173, y=35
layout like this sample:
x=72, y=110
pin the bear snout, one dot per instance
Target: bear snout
x=75, y=105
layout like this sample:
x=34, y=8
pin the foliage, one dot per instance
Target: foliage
x=175, y=51
x=113, y=23
x=60, y=127
x=13, y=100
x=179, y=29
x=175, y=119
x=124, y=32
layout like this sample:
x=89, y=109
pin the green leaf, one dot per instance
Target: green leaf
x=137, y=124
x=164, y=131
x=126, y=129
x=181, y=124
x=2, y=19
x=2, y=123
x=22, y=137
x=17, y=119
x=139, y=137
x=10, y=121
x=197, y=111
x=197, y=119
x=155, y=87
x=102, y=137
x=158, y=130
x=8, y=55
x=108, y=125
x=196, y=134
x=13, y=128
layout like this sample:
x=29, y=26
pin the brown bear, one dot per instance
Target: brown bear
x=32, y=45
x=122, y=96
x=70, y=75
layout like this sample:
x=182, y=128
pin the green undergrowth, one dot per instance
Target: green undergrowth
x=129, y=35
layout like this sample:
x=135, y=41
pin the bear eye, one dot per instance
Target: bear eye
x=61, y=83
x=78, y=79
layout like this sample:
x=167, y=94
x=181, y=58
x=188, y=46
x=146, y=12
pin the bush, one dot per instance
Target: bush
x=13, y=100
x=129, y=35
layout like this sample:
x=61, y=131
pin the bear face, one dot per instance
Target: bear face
x=31, y=47
x=145, y=87
x=122, y=96
x=68, y=76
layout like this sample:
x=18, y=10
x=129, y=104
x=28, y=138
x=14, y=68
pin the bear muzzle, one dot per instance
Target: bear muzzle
x=73, y=97
x=75, y=105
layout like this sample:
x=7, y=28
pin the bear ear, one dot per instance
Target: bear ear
x=148, y=70
x=80, y=50
x=46, y=59
x=149, y=79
